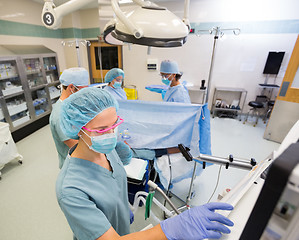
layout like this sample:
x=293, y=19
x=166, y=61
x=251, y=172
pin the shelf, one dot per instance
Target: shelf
x=13, y=110
x=268, y=85
x=9, y=77
x=21, y=121
x=54, y=83
x=228, y=97
x=42, y=114
x=28, y=75
x=38, y=87
x=227, y=109
x=227, y=89
x=13, y=95
x=12, y=90
x=32, y=72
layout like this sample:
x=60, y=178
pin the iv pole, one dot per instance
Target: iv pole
x=76, y=41
x=217, y=31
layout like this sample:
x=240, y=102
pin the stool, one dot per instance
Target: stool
x=270, y=105
x=255, y=106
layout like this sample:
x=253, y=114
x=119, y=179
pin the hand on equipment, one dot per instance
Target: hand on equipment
x=198, y=223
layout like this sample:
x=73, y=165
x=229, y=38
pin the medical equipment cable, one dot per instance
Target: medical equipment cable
x=216, y=183
x=169, y=184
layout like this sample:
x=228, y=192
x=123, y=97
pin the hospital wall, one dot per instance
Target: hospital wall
x=239, y=60
x=20, y=24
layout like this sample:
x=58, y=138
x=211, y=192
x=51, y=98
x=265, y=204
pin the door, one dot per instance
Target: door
x=286, y=109
x=103, y=57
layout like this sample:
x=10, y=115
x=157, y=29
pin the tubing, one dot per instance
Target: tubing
x=139, y=197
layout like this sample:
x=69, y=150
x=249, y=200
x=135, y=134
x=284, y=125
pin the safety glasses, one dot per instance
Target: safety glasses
x=165, y=75
x=118, y=122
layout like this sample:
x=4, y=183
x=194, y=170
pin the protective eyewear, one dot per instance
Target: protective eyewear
x=118, y=122
x=165, y=75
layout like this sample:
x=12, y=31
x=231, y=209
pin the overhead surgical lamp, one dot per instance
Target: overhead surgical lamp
x=148, y=24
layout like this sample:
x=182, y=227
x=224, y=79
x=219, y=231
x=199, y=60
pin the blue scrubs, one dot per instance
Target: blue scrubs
x=57, y=134
x=118, y=93
x=177, y=94
x=93, y=198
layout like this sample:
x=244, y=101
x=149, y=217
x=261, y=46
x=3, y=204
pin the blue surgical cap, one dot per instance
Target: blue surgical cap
x=170, y=67
x=77, y=76
x=113, y=73
x=83, y=106
x=124, y=152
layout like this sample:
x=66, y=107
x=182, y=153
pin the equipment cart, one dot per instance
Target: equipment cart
x=8, y=148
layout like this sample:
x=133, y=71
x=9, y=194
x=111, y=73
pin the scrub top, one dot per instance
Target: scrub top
x=118, y=93
x=57, y=134
x=93, y=198
x=177, y=93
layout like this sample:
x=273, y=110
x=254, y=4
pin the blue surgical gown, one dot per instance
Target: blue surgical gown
x=57, y=134
x=177, y=93
x=118, y=93
x=93, y=198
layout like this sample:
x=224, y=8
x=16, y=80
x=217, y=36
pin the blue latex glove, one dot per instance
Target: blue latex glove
x=131, y=217
x=198, y=223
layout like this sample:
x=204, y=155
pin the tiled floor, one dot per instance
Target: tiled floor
x=28, y=205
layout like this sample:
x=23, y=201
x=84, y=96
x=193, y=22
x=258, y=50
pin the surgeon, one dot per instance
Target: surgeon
x=91, y=187
x=171, y=75
x=72, y=80
x=114, y=78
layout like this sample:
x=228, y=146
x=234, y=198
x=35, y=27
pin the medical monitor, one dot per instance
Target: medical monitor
x=273, y=62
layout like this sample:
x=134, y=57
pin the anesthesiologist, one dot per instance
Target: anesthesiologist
x=114, y=78
x=72, y=80
x=91, y=187
x=171, y=75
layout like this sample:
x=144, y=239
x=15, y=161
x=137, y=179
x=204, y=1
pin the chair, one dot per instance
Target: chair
x=256, y=105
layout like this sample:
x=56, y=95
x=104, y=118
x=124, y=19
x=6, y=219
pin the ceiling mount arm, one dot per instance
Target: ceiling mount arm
x=137, y=33
x=186, y=14
x=52, y=15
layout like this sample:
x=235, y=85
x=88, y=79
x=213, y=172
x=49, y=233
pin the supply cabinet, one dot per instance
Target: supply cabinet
x=228, y=102
x=28, y=88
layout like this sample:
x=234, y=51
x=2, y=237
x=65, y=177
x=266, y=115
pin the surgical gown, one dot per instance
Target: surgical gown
x=93, y=198
x=118, y=93
x=177, y=94
x=57, y=134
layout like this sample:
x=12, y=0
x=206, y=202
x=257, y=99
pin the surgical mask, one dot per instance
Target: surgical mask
x=103, y=143
x=117, y=85
x=166, y=81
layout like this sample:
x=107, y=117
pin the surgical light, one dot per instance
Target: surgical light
x=148, y=24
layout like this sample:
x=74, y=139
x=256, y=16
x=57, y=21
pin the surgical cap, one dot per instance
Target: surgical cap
x=77, y=76
x=124, y=152
x=83, y=106
x=113, y=73
x=170, y=67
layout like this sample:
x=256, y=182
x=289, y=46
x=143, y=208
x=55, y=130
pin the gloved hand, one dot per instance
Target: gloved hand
x=198, y=223
x=131, y=217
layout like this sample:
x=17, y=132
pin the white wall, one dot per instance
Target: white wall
x=239, y=60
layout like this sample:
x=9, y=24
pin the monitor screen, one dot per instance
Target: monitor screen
x=273, y=62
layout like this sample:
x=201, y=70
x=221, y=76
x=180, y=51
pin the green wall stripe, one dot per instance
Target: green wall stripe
x=253, y=27
x=31, y=30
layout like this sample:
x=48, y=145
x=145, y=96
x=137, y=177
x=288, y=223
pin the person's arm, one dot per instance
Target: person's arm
x=70, y=142
x=150, y=234
x=196, y=223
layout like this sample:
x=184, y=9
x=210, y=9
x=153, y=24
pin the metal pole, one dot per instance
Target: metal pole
x=211, y=67
x=78, y=53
